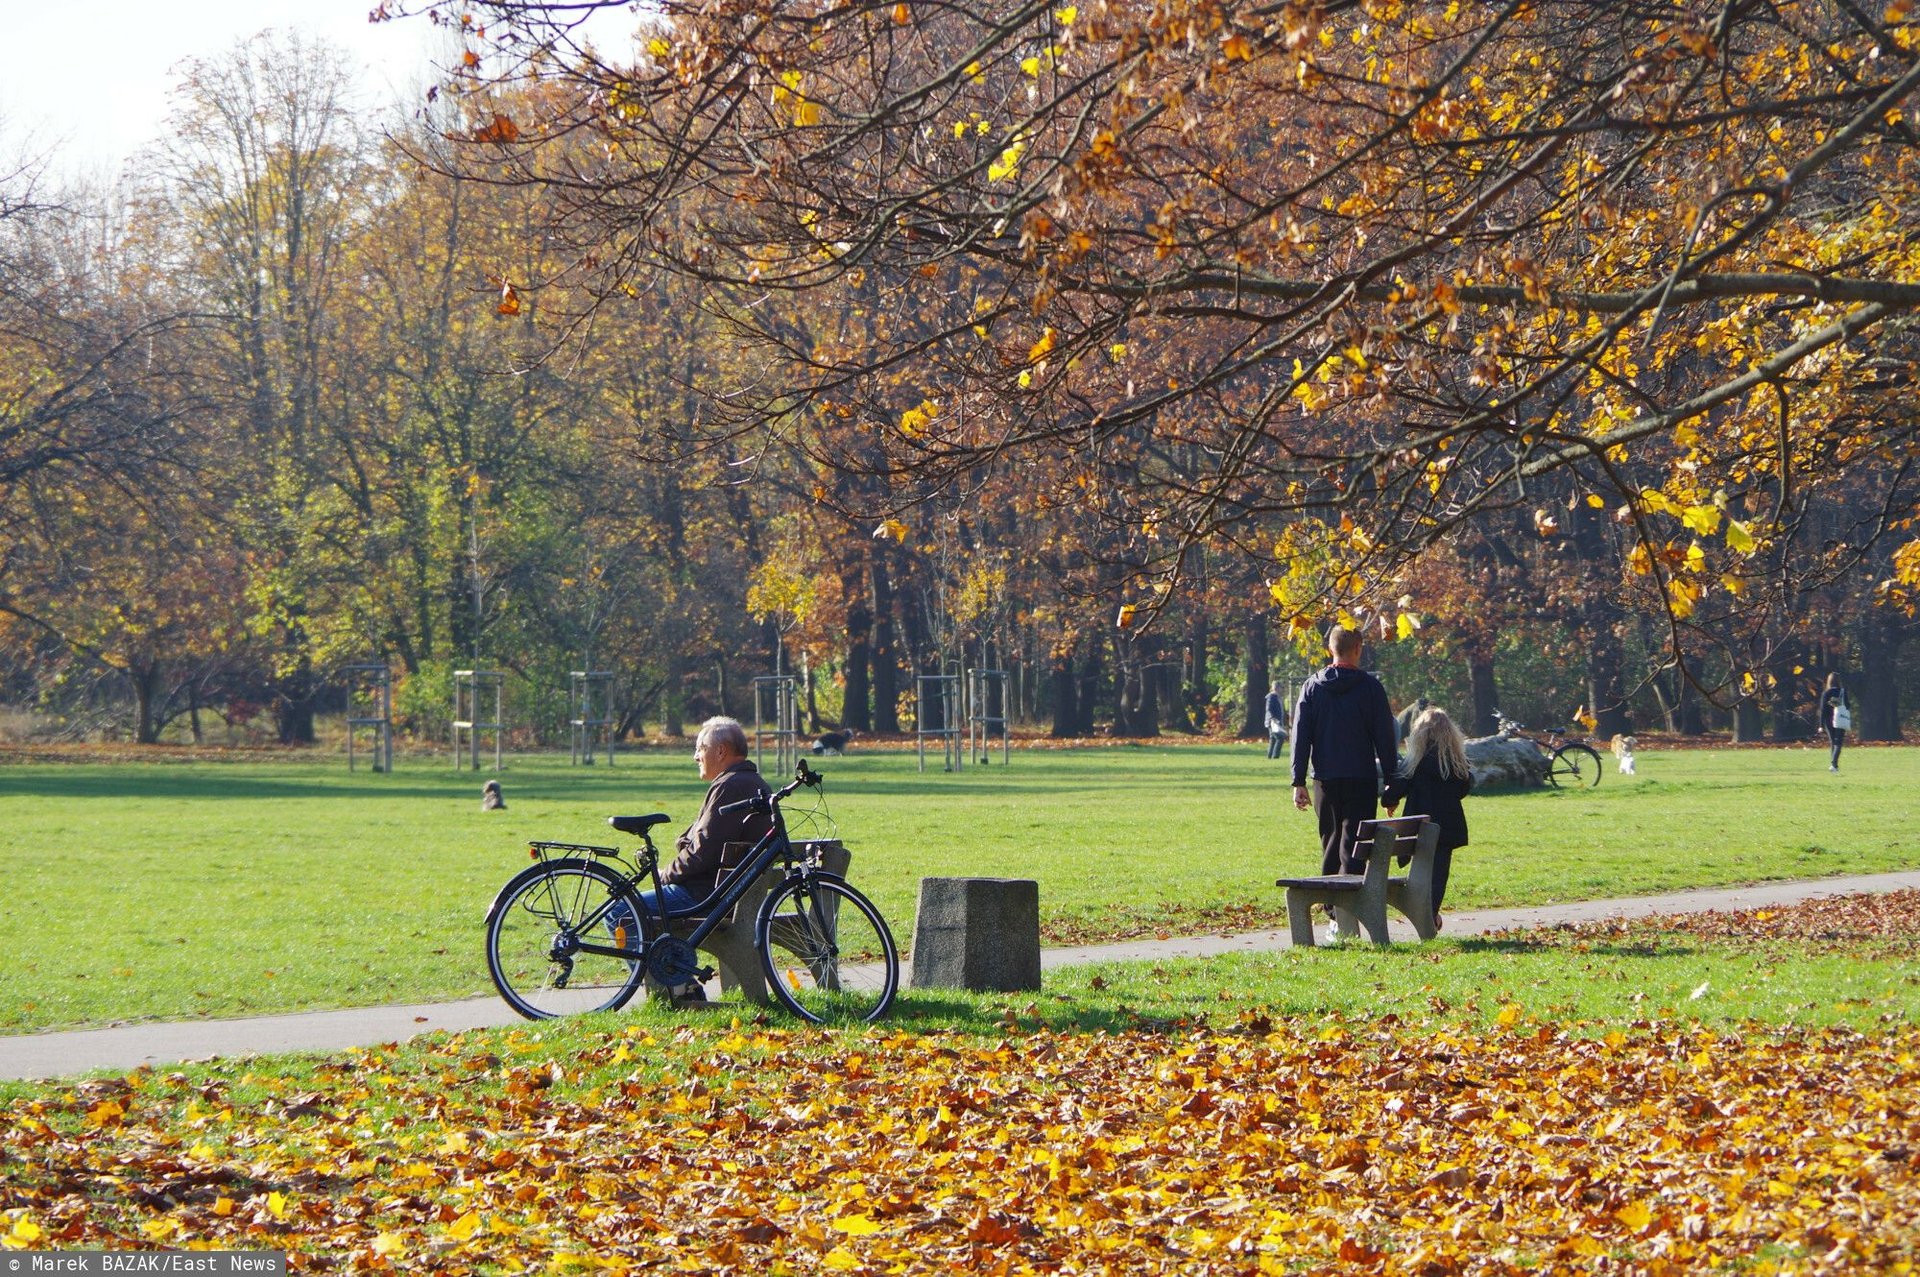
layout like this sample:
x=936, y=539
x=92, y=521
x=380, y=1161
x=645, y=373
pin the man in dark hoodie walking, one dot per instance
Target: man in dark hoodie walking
x=1343, y=730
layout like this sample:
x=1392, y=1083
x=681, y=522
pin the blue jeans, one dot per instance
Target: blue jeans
x=675, y=896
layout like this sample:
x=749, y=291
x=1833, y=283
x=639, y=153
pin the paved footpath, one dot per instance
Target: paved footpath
x=44, y=1055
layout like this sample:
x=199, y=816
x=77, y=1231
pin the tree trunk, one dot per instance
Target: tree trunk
x=1198, y=693
x=1484, y=693
x=1606, y=690
x=1253, y=723
x=1875, y=693
x=1791, y=719
x=293, y=711
x=145, y=680
x=1066, y=705
x=1747, y=724
x=671, y=692
x=854, y=712
x=886, y=663
x=1088, y=692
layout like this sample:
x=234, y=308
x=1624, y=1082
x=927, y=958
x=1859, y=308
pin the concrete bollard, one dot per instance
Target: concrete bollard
x=977, y=933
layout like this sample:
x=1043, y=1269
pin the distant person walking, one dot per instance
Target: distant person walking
x=1433, y=779
x=1836, y=716
x=1343, y=732
x=1276, y=721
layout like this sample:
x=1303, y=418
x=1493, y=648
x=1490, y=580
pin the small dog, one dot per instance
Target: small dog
x=1623, y=753
x=832, y=742
x=490, y=799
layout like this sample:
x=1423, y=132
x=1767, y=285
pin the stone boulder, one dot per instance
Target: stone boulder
x=1505, y=761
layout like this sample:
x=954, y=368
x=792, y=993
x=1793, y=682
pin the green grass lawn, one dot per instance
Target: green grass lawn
x=173, y=890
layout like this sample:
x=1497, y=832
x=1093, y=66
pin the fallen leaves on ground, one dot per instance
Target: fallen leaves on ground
x=1271, y=1146
x=1876, y=923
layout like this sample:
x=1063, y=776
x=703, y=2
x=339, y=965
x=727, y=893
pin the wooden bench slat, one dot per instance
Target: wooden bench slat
x=1366, y=897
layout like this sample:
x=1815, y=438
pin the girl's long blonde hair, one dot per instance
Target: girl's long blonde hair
x=1434, y=731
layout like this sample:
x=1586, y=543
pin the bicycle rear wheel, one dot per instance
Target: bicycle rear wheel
x=533, y=931
x=826, y=951
x=1575, y=767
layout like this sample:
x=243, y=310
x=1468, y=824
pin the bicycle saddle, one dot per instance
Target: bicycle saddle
x=636, y=824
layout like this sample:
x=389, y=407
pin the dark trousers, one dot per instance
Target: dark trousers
x=1342, y=806
x=1836, y=737
x=1442, y=866
x=1274, y=741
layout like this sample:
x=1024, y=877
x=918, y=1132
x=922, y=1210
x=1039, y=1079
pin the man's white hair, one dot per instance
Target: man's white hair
x=720, y=730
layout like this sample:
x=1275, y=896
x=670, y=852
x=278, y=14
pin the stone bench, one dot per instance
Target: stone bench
x=1364, y=898
x=977, y=933
x=730, y=944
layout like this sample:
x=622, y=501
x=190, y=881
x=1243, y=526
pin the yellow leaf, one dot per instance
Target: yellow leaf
x=659, y=48
x=1065, y=15
x=387, y=1244
x=1509, y=1015
x=891, y=528
x=277, y=1205
x=1117, y=351
x=223, y=1206
x=1407, y=626
x=901, y=14
x=1738, y=538
x=857, y=1225
x=1041, y=347
x=840, y=1259
x=1636, y=1215
x=806, y=113
x=1127, y=613
x=1008, y=165
x=25, y=1231
x=464, y=1227
x=1703, y=519
x=1696, y=557
x=1030, y=65
x=160, y=1229
x=1595, y=500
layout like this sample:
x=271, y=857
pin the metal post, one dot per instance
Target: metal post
x=468, y=688
x=776, y=717
x=944, y=690
x=588, y=689
x=376, y=682
x=982, y=723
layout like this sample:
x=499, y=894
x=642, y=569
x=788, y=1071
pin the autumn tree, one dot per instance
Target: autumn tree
x=1397, y=262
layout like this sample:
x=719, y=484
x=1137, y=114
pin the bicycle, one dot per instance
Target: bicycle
x=1571, y=764
x=558, y=942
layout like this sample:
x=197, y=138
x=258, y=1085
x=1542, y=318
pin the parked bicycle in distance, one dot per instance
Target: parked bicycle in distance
x=1571, y=762
x=559, y=942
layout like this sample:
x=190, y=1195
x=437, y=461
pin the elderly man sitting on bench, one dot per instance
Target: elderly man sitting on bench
x=720, y=752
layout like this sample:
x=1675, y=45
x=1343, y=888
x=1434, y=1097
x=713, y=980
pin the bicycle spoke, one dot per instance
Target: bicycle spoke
x=530, y=944
x=828, y=953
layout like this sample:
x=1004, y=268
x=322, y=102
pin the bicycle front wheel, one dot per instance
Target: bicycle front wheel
x=534, y=930
x=826, y=951
x=1575, y=767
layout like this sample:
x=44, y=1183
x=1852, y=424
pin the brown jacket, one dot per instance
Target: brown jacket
x=697, y=864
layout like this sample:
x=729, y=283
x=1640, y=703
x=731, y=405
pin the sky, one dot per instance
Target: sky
x=87, y=80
